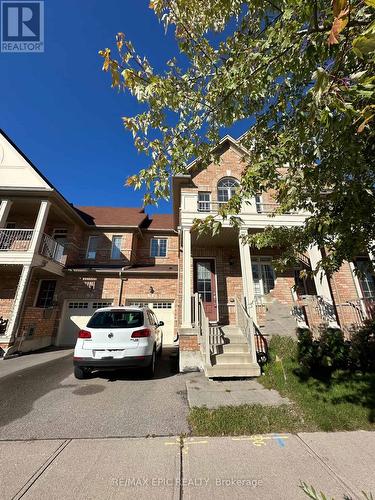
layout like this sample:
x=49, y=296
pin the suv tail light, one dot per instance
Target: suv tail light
x=138, y=334
x=84, y=334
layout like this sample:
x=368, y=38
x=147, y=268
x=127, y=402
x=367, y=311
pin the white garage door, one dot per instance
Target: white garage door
x=75, y=316
x=164, y=311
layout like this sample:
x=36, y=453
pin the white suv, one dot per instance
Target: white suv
x=118, y=337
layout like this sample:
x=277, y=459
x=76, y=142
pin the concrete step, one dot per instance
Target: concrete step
x=235, y=339
x=230, y=330
x=232, y=358
x=233, y=370
x=240, y=348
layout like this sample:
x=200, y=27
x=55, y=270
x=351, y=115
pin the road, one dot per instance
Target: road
x=47, y=402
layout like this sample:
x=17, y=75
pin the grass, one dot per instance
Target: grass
x=346, y=401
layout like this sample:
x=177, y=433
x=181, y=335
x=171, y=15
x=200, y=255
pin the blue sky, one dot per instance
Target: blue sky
x=59, y=108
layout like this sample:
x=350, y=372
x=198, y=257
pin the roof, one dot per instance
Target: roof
x=112, y=216
x=161, y=221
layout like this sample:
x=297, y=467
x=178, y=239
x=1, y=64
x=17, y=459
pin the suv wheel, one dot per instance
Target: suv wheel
x=81, y=373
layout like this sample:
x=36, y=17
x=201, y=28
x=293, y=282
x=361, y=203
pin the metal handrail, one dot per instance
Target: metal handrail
x=15, y=240
x=247, y=326
x=52, y=249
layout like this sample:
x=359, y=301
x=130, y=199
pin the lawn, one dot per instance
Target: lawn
x=346, y=401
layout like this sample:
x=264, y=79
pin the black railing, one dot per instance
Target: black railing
x=3, y=325
x=261, y=347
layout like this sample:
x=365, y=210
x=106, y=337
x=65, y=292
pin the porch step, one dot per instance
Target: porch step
x=233, y=370
x=230, y=330
x=233, y=358
x=232, y=348
x=235, y=339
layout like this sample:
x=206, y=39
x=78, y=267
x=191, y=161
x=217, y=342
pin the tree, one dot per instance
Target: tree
x=303, y=71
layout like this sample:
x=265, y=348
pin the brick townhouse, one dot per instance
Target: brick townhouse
x=221, y=298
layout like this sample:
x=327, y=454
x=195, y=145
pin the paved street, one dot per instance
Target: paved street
x=47, y=402
x=267, y=467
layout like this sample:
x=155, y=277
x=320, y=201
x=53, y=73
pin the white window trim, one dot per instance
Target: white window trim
x=166, y=247
x=112, y=247
x=258, y=260
x=88, y=246
x=204, y=202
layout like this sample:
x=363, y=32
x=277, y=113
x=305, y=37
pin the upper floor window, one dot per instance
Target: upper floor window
x=116, y=247
x=46, y=293
x=226, y=188
x=159, y=247
x=204, y=201
x=366, y=278
x=92, y=247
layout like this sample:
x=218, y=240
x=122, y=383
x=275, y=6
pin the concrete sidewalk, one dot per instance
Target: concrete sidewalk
x=19, y=363
x=259, y=467
x=202, y=392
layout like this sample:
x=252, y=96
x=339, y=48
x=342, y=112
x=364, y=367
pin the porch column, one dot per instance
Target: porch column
x=39, y=226
x=4, y=211
x=247, y=275
x=19, y=300
x=322, y=284
x=186, y=277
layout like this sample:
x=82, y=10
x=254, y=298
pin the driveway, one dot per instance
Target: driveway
x=47, y=402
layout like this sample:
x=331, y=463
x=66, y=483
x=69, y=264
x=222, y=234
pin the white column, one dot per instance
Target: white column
x=321, y=282
x=39, y=226
x=19, y=300
x=186, y=277
x=4, y=211
x=247, y=275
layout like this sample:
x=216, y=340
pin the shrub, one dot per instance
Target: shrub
x=362, y=350
x=307, y=349
x=332, y=352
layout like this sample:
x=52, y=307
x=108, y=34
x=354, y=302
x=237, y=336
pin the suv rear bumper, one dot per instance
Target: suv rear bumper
x=129, y=362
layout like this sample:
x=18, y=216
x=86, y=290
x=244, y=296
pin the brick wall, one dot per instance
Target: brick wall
x=8, y=286
x=143, y=248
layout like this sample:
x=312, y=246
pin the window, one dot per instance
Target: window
x=258, y=203
x=116, y=318
x=159, y=247
x=366, y=278
x=60, y=235
x=226, y=188
x=162, y=305
x=204, y=201
x=46, y=294
x=116, y=247
x=92, y=247
x=263, y=277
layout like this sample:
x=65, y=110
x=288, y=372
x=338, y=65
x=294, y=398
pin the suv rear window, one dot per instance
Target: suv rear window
x=116, y=319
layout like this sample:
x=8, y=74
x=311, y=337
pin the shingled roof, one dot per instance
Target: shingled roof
x=161, y=221
x=112, y=216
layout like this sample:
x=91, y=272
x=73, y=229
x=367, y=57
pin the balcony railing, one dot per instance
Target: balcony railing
x=15, y=240
x=52, y=249
x=19, y=240
x=213, y=206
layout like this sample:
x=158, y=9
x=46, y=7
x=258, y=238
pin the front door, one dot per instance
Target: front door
x=205, y=285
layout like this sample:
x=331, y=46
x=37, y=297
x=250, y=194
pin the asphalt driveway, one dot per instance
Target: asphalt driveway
x=47, y=402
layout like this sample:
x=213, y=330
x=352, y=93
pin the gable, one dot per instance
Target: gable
x=16, y=171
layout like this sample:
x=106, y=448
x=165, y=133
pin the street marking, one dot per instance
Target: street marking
x=261, y=440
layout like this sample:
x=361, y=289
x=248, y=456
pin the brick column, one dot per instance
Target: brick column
x=4, y=211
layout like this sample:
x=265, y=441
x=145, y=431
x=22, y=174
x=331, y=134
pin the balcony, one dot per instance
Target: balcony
x=214, y=206
x=19, y=241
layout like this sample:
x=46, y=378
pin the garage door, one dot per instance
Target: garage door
x=75, y=316
x=164, y=311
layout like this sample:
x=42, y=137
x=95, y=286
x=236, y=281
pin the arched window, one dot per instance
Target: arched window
x=226, y=188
